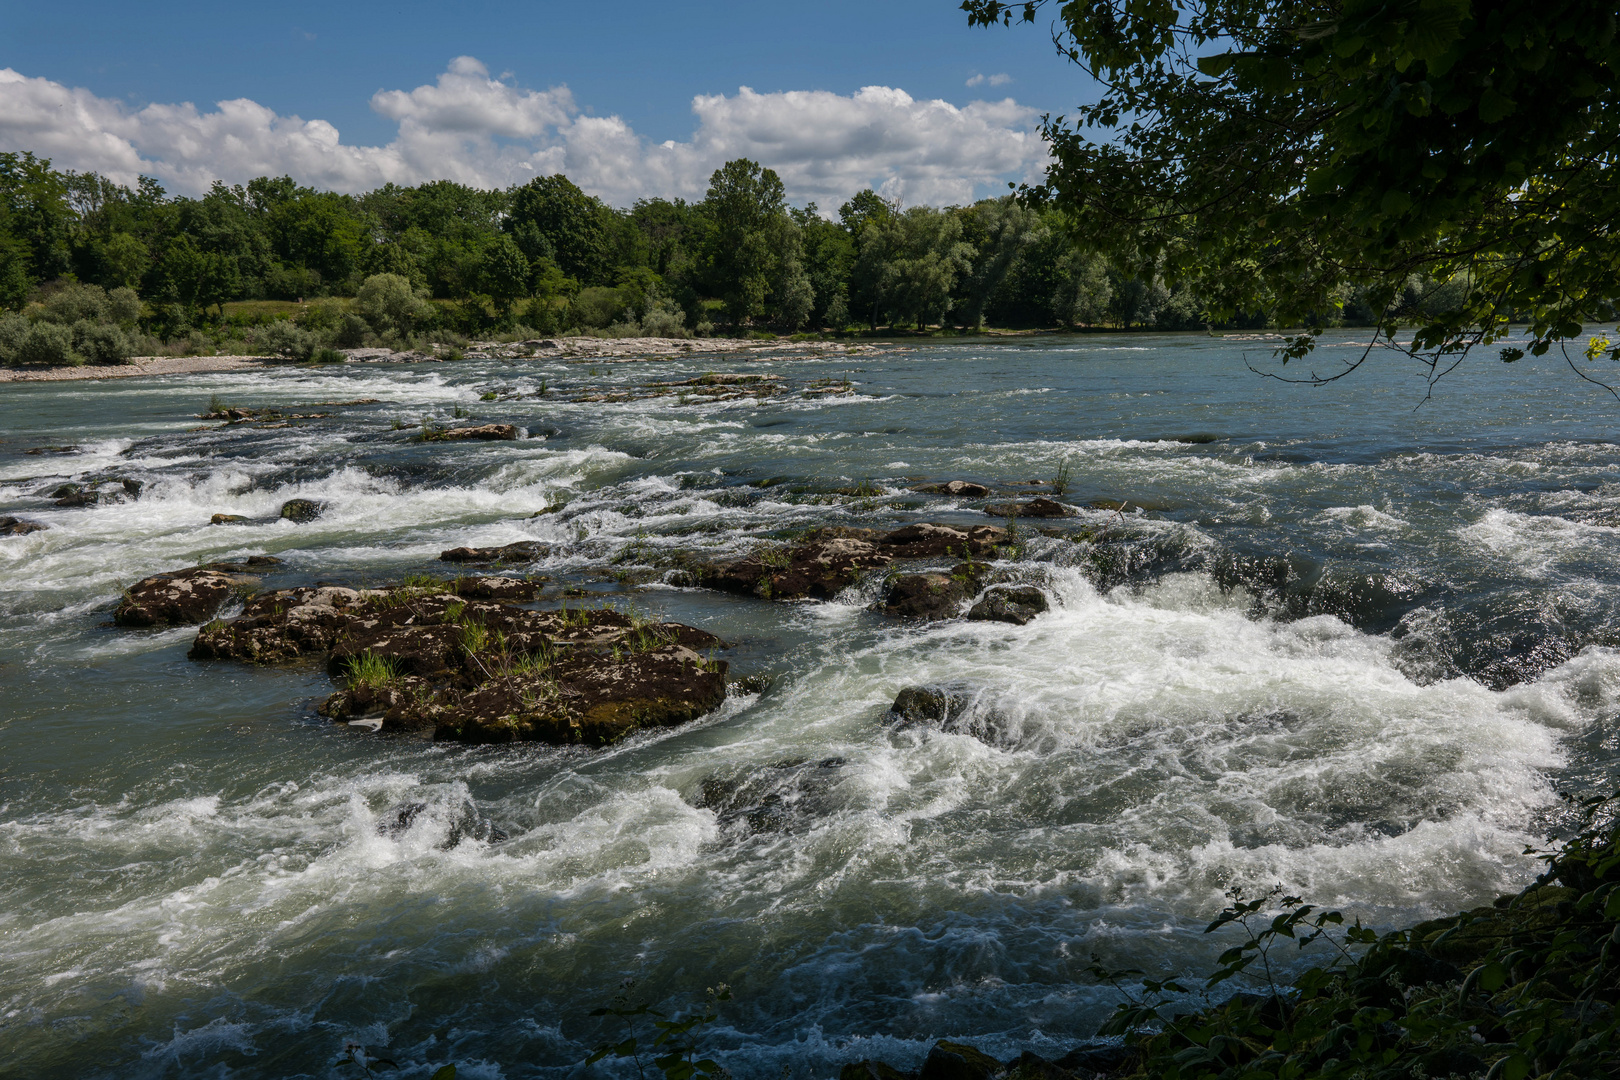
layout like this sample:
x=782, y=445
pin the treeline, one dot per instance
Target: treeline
x=546, y=257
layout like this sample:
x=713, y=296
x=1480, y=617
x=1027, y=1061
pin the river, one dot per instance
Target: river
x=193, y=881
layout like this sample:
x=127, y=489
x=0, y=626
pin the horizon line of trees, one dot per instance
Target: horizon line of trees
x=546, y=256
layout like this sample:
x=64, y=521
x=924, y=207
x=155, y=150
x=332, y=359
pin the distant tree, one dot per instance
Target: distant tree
x=911, y=262
x=503, y=271
x=1000, y=231
x=749, y=208
x=828, y=254
x=1331, y=145
x=550, y=217
x=390, y=302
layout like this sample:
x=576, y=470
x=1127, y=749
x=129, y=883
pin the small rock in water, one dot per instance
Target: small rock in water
x=1009, y=604
x=52, y=450
x=929, y=704
x=961, y=489
x=226, y=519
x=487, y=432
x=1035, y=508
x=522, y=551
x=301, y=511
x=397, y=820
x=10, y=526
x=496, y=588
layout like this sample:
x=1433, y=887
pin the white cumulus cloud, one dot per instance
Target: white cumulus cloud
x=472, y=128
x=993, y=80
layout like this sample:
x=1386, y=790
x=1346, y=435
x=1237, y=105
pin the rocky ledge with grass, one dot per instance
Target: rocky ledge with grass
x=827, y=561
x=192, y=595
x=429, y=659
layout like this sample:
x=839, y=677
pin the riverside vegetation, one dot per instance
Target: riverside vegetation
x=93, y=271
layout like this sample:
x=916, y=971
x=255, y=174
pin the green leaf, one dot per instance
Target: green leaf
x=1217, y=65
x=1493, y=107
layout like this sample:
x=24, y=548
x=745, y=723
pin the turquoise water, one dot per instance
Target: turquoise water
x=193, y=881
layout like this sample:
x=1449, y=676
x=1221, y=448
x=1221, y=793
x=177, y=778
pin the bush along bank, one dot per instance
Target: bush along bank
x=1524, y=988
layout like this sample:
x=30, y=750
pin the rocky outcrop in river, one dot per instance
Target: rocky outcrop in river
x=430, y=659
x=192, y=595
x=830, y=560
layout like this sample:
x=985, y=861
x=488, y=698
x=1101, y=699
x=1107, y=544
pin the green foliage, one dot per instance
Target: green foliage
x=1286, y=156
x=674, y=1045
x=284, y=338
x=47, y=343
x=370, y=670
x=390, y=302
x=1527, y=987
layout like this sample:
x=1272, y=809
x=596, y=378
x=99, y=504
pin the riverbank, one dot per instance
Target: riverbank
x=598, y=350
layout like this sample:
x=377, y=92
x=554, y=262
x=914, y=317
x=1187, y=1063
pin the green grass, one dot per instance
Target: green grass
x=474, y=638
x=370, y=670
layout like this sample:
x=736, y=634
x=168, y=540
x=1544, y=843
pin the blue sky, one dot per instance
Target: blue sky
x=643, y=63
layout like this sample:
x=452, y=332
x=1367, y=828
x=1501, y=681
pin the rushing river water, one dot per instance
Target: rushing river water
x=1353, y=645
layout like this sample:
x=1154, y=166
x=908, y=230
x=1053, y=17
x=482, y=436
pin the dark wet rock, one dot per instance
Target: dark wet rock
x=10, y=526
x=776, y=798
x=1135, y=559
x=132, y=488
x=482, y=432
x=1035, y=508
x=465, y=823
x=72, y=496
x=873, y=1070
x=924, y=596
x=1098, y=1059
x=1124, y=505
x=827, y=561
x=496, y=588
x=52, y=450
x=928, y=541
x=301, y=511
x=227, y=519
x=821, y=569
x=64, y=490
x=522, y=551
x=958, y=1061
x=421, y=659
x=1031, y=1066
x=934, y=705
x=192, y=595
x=1016, y=604
x=961, y=489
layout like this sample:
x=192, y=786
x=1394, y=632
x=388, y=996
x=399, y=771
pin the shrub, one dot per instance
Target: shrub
x=47, y=343
x=102, y=343
x=598, y=306
x=13, y=328
x=74, y=303
x=197, y=343
x=320, y=317
x=282, y=338
x=664, y=319
x=388, y=302
x=351, y=332
x=123, y=306
x=326, y=355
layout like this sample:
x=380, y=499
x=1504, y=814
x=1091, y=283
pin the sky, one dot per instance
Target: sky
x=630, y=100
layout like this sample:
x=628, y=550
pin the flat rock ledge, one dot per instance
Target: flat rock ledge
x=432, y=661
x=192, y=595
x=830, y=560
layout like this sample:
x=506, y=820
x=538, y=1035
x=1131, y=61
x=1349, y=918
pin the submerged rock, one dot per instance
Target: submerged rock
x=424, y=660
x=775, y=798
x=301, y=511
x=10, y=526
x=958, y=1061
x=929, y=704
x=828, y=561
x=466, y=823
x=522, y=551
x=192, y=595
x=1016, y=604
x=227, y=519
x=1035, y=508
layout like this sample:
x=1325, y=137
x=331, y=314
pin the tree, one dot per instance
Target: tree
x=503, y=272
x=749, y=207
x=1337, y=144
x=552, y=218
x=910, y=263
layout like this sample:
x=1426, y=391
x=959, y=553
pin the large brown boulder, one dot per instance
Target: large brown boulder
x=926, y=540
x=421, y=659
x=192, y=595
x=821, y=568
x=925, y=596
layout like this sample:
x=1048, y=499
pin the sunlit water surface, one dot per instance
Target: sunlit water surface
x=192, y=877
